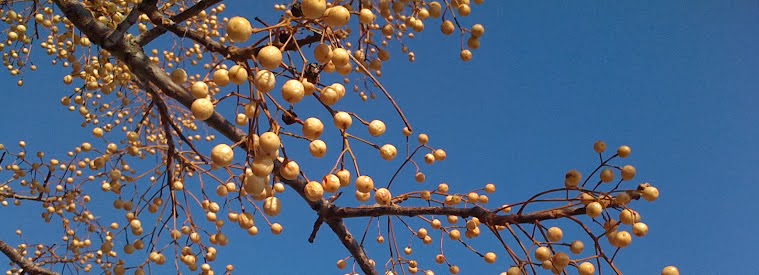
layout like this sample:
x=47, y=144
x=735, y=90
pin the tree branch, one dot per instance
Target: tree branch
x=231, y=52
x=486, y=216
x=133, y=56
x=128, y=22
x=28, y=266
x=150, y=35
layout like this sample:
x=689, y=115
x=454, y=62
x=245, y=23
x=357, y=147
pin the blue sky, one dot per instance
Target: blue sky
x=674, y=80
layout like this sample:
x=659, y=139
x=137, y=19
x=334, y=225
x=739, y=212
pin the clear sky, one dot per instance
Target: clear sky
x=675, y=80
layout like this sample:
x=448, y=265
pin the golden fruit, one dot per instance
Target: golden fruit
x=178, y=76
x=594, y=209
x=624, y=151
x=317, y=148
x=269, y=57
x=366, y=16
x=272, y=206
x=313, y=9
x=364, y=184
x=340, y=57
x=221, y=77
x=239, y=29
x=222, y=155
x=388, y=152
x=628, y=172
x=331, y=183
x=383, y=196
x=199, y=89
x=265, y=81
x=238, y=74
x=314, y=191
x=490, y=257
x=290, y=170
x=323, y=53
x=586, y=268
x=670, y=270
x=477, y=30
x=202, y=109
x=342, y=120
x=337, y=16
x=650, y=193
x=293, y=91
x=599, y=146
x=377, y=128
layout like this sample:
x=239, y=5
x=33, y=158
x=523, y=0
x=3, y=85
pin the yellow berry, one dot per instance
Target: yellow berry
x=178, y=76
x=594, y=209
x=623, y=239
x=577, y=247
x=313, y=128
x=337, y=16
x=366, y=16
x=490, y=257
x=555, y=234
x=640, y=229
x=238, y=74
x=650, y=193
x=364, y=184
x=478, y=30
x=447, y=27
x=269, y=57
x=239, y=29
x=376, y=128
x=290, y=170
x=199, y=89
x=607, y=175
x=202, y=109
x=222, y=155
x=342, y=120
x=572, y=179
x=276, y=228
x=221, y=77
x=466, y=55
x=440, y=155
x=265, y=81
x=313, y=9
x=628, y=172
x=670, y=270
x=317, y=148
x=272, y=206
x=599, y=146
x=542, y=253
x=383, y=196
x=586, y=268
x=269, y=142
x=388, y=152
x=490, y=188
x=624, y=151
x=314, y=191
x=293, y=91
x=323, y=53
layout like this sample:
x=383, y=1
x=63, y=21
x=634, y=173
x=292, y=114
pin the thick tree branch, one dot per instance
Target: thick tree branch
x=28, y=266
